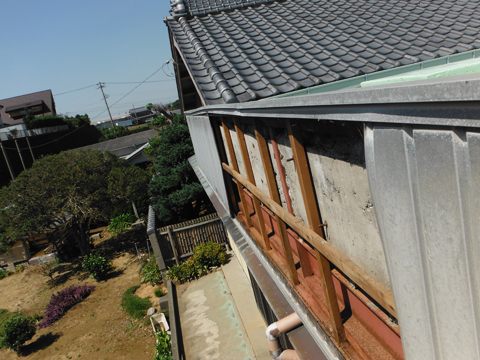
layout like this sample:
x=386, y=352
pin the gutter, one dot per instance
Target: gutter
x=451, y=101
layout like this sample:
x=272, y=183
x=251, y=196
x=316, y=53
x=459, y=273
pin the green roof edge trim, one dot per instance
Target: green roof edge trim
x=356, y=81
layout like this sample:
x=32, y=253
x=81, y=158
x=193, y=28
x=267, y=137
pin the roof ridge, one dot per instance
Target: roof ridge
x=203, y=7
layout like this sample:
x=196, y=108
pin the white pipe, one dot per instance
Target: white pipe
x=274, y=330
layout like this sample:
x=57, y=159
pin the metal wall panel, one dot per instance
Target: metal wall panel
x=425, y=184
x=207, y=154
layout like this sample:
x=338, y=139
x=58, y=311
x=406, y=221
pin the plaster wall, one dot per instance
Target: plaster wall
x=256, y=160
x=343, y=195
x=337, y=164
x=238, y=152
x=281, y=137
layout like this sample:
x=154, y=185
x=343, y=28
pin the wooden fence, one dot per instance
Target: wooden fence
x=178, y=241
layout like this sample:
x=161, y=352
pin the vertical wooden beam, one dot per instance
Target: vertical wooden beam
x=223, y=158
x=313, y=216
x=273, y=189
x=302, y=252
x=234, y=164
x=251, y=178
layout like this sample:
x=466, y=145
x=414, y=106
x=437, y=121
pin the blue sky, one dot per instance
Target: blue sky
x=64, y=45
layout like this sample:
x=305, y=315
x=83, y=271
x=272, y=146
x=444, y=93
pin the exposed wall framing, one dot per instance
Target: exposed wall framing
x=340, y=294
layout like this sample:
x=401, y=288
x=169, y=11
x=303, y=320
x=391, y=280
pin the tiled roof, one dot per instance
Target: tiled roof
x=280, y=46
x=202, y=7
x=138, y=139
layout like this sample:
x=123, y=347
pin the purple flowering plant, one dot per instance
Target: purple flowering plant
x=62, y=302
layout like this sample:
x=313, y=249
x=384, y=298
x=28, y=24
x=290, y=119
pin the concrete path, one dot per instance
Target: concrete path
x=219, y=317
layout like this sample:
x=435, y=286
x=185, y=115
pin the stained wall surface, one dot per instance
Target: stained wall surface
x=337, y=163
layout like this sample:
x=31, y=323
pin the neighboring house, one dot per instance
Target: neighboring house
x=128, y=147
x=141, y=115
x=15, y=108
x=350, y=191
x=119, y=120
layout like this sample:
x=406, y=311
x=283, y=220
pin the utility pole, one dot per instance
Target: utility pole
x=101, y=86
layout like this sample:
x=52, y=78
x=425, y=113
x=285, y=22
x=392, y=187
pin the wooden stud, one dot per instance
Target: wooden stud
x=313, y=216
x=228, y=138
x=223, y=158
x=379, y=292
x=273, y=189
x=251, y=178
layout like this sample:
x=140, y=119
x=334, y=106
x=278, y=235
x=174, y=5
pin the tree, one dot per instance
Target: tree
x=177, y=191
x=164, y=109
x=78, y=120
x=76, y=188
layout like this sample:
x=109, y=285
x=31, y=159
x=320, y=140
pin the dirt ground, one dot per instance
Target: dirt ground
x=97, y=328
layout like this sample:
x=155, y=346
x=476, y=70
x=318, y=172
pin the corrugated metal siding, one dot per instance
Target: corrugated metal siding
x=207, y=155
x=425, y=184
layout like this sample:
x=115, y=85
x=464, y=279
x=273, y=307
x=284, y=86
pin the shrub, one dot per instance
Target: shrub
x=47, y=269
x=62, y=302
x=6, y=315
x=16, y=331
x=159, y=292
x=163, y=346
x=151, y=273
x=184, y=272
x=120, y=223
x=44, y=121
x=205, y=256
x=97, y=266
x=133, y=305
x=5, y=273
x=209, y=255
x=20, y=268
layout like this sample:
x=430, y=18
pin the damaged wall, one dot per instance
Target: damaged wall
x=336, y=158
x=337, y=162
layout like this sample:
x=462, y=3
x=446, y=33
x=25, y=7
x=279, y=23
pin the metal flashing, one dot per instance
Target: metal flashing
x=309, y=340
x=452, y=101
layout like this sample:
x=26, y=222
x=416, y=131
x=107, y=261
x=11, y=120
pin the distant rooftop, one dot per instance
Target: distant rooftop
x=134, y=140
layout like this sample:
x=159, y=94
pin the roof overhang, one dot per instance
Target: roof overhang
x=451, y=101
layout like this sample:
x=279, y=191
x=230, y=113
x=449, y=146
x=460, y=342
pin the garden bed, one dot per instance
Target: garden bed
x=96, y=328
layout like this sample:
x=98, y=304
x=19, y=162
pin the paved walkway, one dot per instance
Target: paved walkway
x=219, y=317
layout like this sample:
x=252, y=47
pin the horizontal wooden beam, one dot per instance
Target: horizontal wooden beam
x=379, y=292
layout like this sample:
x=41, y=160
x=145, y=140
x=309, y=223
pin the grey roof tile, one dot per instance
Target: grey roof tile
x=268, y=47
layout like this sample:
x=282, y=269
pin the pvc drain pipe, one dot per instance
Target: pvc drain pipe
x=274, y=330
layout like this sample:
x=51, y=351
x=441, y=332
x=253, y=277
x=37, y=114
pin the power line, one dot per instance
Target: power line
x=67, y=92
x=124, y=96
x=115, y=83
x=137, y=82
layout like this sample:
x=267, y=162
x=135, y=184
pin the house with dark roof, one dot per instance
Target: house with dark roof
x=339, y=142
x=12, y=110
x=128, y=147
